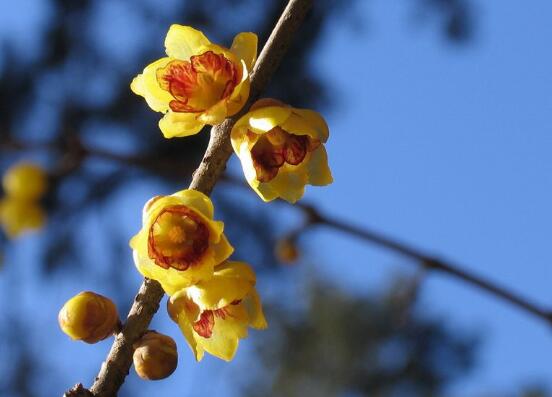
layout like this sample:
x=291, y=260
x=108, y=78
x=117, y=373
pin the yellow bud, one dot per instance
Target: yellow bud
x=89, y=317
x=286, y=251
x=19, y=216
x=25, y=181
x=155, y=356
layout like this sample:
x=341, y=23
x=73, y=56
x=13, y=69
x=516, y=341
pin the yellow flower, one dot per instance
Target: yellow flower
x=281, y=149
x=89, y=317
x=25, y=181
x=214, y=315
x=199, y=82
x=18, y=217
x=179, y=243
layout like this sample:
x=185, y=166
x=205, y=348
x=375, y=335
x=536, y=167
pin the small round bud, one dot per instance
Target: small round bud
x=25, y=181
x=155, y=356
x=286, y=251
x=89, y=317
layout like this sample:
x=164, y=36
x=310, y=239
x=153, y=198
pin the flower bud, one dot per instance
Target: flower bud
x=25, y=181
x=286, y=251
x=89, y=317
x=155, y=356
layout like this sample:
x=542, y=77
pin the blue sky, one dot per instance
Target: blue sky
x=445, y=147
x=448, y=148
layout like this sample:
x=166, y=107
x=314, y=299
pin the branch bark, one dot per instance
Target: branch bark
x=117, y=365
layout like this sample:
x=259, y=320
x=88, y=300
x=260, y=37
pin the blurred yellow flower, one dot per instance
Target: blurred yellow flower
x=214, y=315
x=281, y=149
x=179, y=243
x=18, y=217
x=25, y=181
x=199, y=82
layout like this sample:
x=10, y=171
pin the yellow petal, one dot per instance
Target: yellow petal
x=289, y=184
x=173, y=280
x=183, y=42
x=215, y=114
x=240, y=94
x=146, y=85
x=255, y=310
x=298, y=125
x=196, y=200
x=175, y=124
x=176, y=306
x=264, y=119
x=231, y=282
x=223, y=343
x=316, y=121
x=222, y=250
x=245, y=47
x=318, y=170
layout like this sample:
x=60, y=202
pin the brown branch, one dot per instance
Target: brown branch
x=117, y=365
x=315, y=217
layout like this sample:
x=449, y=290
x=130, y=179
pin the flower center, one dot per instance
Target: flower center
x=178, y=238
x=277, y=147
x=198, y=84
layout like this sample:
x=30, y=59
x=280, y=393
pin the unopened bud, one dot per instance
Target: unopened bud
x=286, y=251
x=89, y=317
x=25, y=181
x=155, y=356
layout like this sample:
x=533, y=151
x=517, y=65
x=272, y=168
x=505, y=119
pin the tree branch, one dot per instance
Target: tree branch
x=429, y=262
x=117, y=365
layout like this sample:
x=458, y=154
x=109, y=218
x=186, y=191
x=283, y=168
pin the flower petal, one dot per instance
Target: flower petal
x=255, y=310
x=196, y=200
x=318, y=169
x=177, y=308
x=298, y=125
x=175, y=124
x=316, y=121
x=222, y=250
x=245, y=47
x=231, y=282
x=224, y=340
x=215, y=114
x=264, y=119
x=183, y=42
x=146, y=85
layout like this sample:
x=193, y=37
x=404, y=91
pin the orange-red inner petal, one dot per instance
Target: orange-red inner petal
x=198, y=84
x=204, y=326
x=178, y=238
x=277, y=147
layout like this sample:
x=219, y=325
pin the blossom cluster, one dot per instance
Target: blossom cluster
x=212, y=297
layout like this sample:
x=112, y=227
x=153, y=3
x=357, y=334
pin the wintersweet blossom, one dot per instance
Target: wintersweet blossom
x=281, y=149
x=18, y=217
x=215, y=314
x=179, y=243
x=25, y=181
x=199, y=82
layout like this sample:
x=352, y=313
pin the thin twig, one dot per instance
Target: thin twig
x=116, y=367
x=427, y=261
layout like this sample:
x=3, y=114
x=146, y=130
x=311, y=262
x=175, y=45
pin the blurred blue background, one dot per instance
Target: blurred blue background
x=441, y=131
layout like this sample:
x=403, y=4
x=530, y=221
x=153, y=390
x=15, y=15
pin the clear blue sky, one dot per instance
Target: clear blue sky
x=447, y=148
